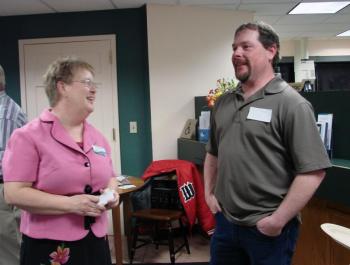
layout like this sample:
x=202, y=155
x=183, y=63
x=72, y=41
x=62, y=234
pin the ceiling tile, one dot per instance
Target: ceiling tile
x=19, y=7
x=267, y=9
x=321, y=0
x=339, y=19
x=320, y=28
x=269, y=2
x=267, y=19
x=79, y=5
x=208, y=2
x=302, y=19
x=139, y=3
x=313, y=34
x=223, y=6
x=345, y=10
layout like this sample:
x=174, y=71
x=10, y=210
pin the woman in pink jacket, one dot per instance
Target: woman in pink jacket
x=54, y=169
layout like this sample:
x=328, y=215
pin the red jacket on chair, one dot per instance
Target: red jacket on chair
x=191, y=190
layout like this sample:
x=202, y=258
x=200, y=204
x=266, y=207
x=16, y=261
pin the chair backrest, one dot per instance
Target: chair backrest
x=164, y=193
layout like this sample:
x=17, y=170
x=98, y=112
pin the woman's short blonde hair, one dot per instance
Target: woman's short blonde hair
x=62, y=69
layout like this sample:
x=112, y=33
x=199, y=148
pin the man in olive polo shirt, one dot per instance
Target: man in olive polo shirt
x=265, y=157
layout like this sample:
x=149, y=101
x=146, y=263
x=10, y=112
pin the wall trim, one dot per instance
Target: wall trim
x=319, y=59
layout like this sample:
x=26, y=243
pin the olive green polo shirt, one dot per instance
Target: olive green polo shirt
x=261, y=144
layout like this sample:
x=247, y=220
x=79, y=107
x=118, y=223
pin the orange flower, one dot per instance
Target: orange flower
x=61, y=256
x=222, y=86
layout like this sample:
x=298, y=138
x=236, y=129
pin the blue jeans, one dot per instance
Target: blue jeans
x=233, y=244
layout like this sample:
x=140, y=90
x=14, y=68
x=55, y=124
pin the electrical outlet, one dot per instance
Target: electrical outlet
x=133, y=126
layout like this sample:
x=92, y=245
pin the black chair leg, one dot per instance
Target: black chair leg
x=156, y=236
x=134, y=243
x=184, y=236
x=171, y=243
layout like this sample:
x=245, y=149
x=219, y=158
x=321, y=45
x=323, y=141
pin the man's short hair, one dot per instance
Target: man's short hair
x=62, y=69
x=2, y=78
x=267, y=36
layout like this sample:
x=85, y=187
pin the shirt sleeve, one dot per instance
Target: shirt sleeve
x=21, y=119
x=212, y=145
x=21, y=159
x=303, y=140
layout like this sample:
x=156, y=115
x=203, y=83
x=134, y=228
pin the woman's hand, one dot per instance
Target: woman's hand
x=86, y=205
x=113, y=203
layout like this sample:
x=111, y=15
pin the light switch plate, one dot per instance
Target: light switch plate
x=133, y=126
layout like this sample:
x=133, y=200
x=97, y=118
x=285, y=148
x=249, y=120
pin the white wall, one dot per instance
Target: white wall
x=335, y=47
x=287, y=48
x=329, y=47
x=189, y=48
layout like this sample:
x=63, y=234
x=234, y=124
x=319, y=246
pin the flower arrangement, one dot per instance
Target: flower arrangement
x=222, y=86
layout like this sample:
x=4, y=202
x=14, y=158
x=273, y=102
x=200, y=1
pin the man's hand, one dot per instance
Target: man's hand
x=213, y=203
x=269, y=226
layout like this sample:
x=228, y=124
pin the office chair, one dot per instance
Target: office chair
x=165, y=208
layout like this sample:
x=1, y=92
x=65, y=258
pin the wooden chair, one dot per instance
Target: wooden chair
x=165, y=209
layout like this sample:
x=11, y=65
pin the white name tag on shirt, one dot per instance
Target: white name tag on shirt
x=99, y=150
x=259, y=114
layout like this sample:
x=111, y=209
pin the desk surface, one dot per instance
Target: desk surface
x=138, y=182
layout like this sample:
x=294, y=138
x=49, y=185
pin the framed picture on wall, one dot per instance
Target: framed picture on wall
x=189, y=130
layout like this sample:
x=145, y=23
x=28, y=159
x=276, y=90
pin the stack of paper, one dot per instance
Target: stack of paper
x=123, y=180
x=324, y=123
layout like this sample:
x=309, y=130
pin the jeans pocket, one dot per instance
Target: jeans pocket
x=255, y=231
x=286, y=230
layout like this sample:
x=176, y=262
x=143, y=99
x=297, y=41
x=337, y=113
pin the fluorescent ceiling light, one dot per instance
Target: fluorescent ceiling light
x=318, y=8
x=344, y=34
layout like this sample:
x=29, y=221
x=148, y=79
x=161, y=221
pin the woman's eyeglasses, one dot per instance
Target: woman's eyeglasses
x=87, y=83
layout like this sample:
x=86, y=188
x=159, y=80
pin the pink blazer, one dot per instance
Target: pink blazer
x=43, y=153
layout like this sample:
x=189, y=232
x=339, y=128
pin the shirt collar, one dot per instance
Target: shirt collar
x=274, y=86
x=59, y=133
x=47, y=116
x=2, y=93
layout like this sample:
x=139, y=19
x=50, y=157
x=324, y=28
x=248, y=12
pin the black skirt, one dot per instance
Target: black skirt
x=90, y=250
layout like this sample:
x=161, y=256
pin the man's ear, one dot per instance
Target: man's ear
x=272, y=50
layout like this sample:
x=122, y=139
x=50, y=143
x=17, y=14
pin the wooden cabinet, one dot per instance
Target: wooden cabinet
x=339, y=254
x=191, y=150
x=314, y=247
x=313, y=244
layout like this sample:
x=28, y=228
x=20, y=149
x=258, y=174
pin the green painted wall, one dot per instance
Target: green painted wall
x=130, y=28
